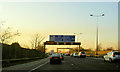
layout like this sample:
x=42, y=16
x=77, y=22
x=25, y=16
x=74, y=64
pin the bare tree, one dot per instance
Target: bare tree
x=110, y=48
x=36, y=41
x=7, y=35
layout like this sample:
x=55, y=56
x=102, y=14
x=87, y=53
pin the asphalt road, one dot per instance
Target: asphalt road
x=69, y=63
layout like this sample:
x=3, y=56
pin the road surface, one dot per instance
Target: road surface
x=69, y=63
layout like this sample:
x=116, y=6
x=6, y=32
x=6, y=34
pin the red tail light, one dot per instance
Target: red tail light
x=80, y=54
x=113, y=55
x=60, y=57
x=50, y=57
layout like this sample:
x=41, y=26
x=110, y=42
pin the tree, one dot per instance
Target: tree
x=74, y=50
x=81, y=49
x=7, y=35
x=41, y=48
x=16, y=44
x=36, y=41
x=109, y=48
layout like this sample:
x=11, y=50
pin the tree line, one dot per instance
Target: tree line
x=15, y=51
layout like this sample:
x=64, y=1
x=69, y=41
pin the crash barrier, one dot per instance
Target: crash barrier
x=96, y=56
x=21, y=59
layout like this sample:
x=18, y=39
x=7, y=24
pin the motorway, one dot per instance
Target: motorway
x=69, y=63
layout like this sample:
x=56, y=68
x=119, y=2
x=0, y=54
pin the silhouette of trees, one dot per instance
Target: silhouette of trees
x=81, y=48
x=16, y=44
x=109, y=48
x=40, y=48
x=76, y=49
x=7, y=35
x=36, y=41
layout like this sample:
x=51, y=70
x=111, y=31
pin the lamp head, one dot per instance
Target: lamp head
x=103, y=15
x=91, y=14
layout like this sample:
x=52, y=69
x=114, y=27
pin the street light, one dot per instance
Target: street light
x=97, y=31
x=77, y=40
x=77, y=35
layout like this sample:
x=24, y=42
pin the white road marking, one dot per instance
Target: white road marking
x=117, y=66
x=98, y=58
x=63, y=61
x=72, y=64
x=101, y=63
x=38, y=67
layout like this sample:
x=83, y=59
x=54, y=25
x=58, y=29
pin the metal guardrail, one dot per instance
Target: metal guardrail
x=96, y=56
x=21, y=59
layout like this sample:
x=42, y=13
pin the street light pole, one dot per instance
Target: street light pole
x=97, y=31
x=77, y=40
x=77, y=35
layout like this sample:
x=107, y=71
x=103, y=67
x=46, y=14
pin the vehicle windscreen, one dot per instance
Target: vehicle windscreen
x=82, y=52
x=76, y=53
x=56, y=55
x=117, y=53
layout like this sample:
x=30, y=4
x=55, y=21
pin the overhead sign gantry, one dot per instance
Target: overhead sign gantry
x=62, y=40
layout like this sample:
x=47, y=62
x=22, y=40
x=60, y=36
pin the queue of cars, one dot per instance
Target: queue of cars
x=110, y=56
x=79, y=55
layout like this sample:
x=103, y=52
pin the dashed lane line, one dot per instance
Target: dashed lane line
x=38, y=66
x=98, y=58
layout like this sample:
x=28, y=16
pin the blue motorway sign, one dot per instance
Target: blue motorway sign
x=62, y=38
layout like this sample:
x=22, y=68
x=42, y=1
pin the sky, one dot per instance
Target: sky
x=63, y=18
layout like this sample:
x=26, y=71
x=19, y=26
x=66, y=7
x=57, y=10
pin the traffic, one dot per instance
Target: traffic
x=58, y=57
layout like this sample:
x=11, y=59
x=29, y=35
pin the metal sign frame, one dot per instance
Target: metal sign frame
x=63, y=48
x=61, y=43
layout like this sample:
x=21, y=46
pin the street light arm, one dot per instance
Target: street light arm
x=103, y=15
x=91, y=14
x=97, y=30
x=97, y=15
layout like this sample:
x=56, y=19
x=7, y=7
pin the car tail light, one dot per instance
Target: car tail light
x=80, y=54
x=113, y=55
x=50, y=57
x=60, y=57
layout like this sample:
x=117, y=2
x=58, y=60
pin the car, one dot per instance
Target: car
x=62, y=56
x=112, y=56
x=71, y=54
x=82, y=54
x=66, y=54
x=75, y=55
x=56, y=58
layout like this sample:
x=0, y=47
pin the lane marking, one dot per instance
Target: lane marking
x=98, y=58
x=117, y=66
x=72, y=64
x=63, y=61
x=101, y=63
x=38, y=67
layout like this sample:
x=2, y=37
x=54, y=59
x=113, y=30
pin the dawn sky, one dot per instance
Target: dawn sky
x=48, y=18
